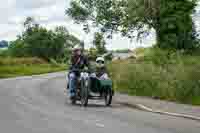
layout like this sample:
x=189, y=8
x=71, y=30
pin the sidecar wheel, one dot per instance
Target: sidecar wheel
x=108, y=98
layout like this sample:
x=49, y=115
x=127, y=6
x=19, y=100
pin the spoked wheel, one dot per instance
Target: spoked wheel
x=73, y=101
x=108, y=98
x=84, y=92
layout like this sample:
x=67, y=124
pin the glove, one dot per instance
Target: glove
x=93, y=75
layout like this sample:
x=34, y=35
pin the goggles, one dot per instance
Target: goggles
x=100, y=62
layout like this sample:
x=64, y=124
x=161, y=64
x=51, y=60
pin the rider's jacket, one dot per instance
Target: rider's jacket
x=101, y=71
x=79, y=62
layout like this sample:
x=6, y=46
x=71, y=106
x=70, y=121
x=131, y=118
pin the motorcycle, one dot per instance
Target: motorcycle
x=92, y=88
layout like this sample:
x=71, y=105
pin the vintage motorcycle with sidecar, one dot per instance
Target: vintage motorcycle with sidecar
x=92, y=88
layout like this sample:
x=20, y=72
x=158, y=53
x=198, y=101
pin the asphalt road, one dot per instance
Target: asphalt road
x=38, y=105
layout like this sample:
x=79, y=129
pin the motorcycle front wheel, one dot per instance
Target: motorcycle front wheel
x=84, y=92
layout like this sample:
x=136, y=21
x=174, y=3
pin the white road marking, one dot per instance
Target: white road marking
x=100, y=125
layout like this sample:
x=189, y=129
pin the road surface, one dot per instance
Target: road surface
x=38, y=105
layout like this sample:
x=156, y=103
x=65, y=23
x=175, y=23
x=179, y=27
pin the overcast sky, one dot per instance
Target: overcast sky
x=50, y=13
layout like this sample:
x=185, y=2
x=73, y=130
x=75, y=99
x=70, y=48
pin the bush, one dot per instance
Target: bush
x=17, y=48
x=4, y=53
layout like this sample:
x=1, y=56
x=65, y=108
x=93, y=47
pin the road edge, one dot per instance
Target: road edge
x=147, y=109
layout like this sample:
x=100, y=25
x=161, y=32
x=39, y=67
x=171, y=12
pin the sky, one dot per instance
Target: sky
x=51, y=13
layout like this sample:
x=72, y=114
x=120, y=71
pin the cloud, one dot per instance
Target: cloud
x=33, y=4
x=8, y=31
x=14, y=12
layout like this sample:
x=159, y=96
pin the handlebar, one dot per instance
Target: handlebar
x=81, y=70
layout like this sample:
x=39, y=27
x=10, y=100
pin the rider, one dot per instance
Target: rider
x=78, y=62
x=101, y=71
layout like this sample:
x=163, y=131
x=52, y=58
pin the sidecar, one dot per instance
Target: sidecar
x=97, y=89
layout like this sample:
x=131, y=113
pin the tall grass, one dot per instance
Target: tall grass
x=159, y=74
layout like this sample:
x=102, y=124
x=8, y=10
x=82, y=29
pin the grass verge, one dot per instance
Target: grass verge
x=167, y=75
x=13, y=67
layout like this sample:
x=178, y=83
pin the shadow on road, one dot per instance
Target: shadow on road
x=95, y=105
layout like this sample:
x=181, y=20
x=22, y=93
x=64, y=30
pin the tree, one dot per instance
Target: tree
x=171, y=19
x=176, y=24
x=37, y=41
x=99, y=43
x=70, y=39
x=82, y=44
x=92, y=54
x=29, y=23
x=17, y=48
x=42, y=43
x=3, y=44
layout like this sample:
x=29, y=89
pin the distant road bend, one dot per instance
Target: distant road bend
x=38, y=105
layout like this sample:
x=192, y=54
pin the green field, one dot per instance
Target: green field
x=13, y=67
x=172, y=76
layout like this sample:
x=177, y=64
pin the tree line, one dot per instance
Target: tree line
x=38, y=41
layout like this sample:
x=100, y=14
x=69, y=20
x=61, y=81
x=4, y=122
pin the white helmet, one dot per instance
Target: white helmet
x=100, y=59
x=100, y=62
